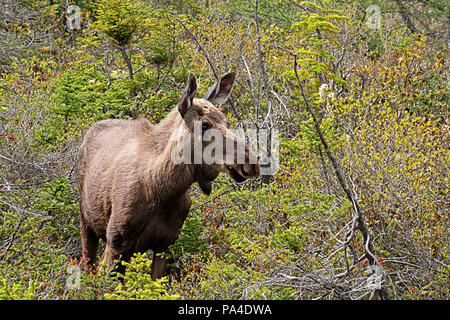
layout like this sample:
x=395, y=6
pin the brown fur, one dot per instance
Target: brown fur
x=131, y=194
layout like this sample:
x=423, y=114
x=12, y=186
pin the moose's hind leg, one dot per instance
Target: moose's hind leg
x=89, y=242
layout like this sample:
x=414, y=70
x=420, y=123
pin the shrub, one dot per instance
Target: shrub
x=137, y=283
x=16, y=291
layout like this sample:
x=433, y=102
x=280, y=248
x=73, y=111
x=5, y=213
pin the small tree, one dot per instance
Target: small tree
x=122, y=20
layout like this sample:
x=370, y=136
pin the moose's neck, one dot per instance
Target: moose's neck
x=168, y=178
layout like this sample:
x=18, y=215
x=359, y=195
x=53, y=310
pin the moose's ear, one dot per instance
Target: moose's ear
x=188, y=95
x=218, y=93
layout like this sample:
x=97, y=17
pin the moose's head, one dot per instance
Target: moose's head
x=214, y=147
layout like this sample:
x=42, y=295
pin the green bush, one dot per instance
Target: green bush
x=16, y=291
x=138, y=284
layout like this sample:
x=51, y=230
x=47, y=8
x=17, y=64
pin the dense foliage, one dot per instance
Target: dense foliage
x=378, y=93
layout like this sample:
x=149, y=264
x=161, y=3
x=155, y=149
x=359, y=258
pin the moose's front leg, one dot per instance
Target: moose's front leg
x=111, y=260
x=159, y=266
x=168, y=234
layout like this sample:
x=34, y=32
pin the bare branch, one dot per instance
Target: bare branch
x=358, y=218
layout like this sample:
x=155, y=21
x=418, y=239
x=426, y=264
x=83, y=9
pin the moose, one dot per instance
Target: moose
x=133, y=195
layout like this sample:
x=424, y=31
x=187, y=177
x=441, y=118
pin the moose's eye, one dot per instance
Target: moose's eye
x=205, y=126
